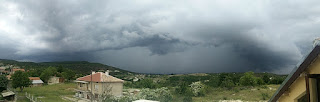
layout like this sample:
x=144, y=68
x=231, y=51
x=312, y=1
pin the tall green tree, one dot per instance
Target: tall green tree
x=248, y=79
x=47, y=73
x=227, y=83
x=146, y=83
x=68, y=74
x=266, y=78
x=20, y=80
x=260, y=81
x=3, y=83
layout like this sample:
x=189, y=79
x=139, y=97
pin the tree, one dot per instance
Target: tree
x=183, y=89
x=248, y=79
x=277, y=79
x=266, y=78
x=47, y=73
x=68, y=74
x=34, y=72
x=227, y=83
x=3, y=83
x=260, y=81
x=20, y=79
x=146, y=83
x=214, y=81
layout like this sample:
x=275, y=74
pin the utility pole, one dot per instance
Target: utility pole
x=91, y=87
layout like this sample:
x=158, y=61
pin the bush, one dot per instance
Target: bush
x=145, y=83
x=277, y=80
x=260, y=81
x=197, y=88
x=248, y=79
x=227, y=83
x=160, y=94
x=266, y=78
x=214, y=81
x=183, y=89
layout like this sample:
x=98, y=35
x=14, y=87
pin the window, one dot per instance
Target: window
x=96, y=87
x=80, y=84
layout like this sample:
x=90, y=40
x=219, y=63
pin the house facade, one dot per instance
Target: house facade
x=36, y=81
x=55, y=80
x=98, y=84
x=303, y=83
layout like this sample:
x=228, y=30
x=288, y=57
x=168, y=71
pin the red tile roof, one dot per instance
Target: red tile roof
x=34, y=78
x=18, y=70
x=100, y=77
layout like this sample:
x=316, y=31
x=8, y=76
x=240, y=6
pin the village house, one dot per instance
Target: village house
x=36, y=81
x=303, y=83
x=55, y=80
x=16, y=69
x=98, y=84
x=2, y=70
x=9, y=77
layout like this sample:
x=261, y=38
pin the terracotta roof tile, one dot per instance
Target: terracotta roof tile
x=100, y=77
x=34, y=78
x=18, y=70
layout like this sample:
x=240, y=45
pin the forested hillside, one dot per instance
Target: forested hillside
x=80, y=67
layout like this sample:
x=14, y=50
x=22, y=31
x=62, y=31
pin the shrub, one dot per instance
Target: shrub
x=248, y=79
x=214, y=81
x=197, y=88
x=160, y=94
x=266, y=78
x=259, y=81
x=277, y=80
x=183, y=89
x=227, y=83
x=145, y=83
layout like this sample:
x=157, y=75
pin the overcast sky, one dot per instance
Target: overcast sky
x=164, y=36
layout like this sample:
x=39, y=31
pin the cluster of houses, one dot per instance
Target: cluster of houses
x=36, y=81
x=93, y=86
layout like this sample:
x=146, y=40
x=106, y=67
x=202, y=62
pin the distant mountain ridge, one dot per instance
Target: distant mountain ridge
x=83, y=67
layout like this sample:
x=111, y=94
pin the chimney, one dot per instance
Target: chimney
x=316, y=42
x=107, y=73
x=93, y=72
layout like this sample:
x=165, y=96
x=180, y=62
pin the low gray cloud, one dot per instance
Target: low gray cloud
x=162, y=36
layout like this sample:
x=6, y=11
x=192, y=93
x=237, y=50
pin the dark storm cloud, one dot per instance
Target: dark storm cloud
x=162, y=36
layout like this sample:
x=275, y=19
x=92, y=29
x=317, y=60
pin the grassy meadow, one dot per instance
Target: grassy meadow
x=49, y=93
x=53, y=93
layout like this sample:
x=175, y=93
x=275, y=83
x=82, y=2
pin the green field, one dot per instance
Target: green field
x=53, y=93
x=49, y=93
